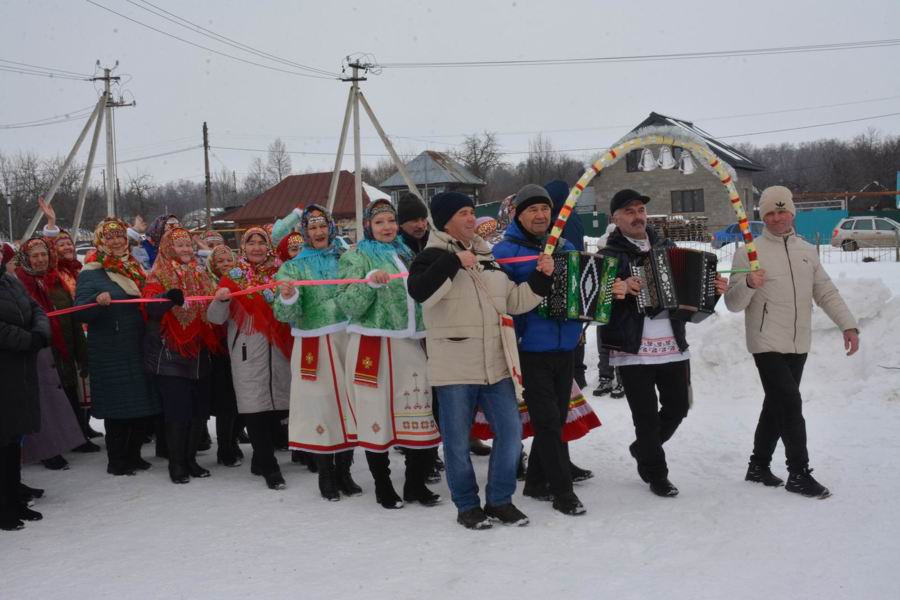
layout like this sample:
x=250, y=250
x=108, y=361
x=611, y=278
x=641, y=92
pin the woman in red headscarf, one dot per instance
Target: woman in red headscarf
x=177, y=347
x=289, y=246
x=260, y=348
x=60, y=431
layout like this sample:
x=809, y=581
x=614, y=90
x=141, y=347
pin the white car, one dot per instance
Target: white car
x=854, y=233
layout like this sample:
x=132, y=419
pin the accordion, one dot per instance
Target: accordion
x=679, y=280
x=581, y=288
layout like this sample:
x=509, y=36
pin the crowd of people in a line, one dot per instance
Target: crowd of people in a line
x=427, y=332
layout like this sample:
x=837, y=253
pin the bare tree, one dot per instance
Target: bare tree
x=138, y=190
x=382, y=170
x=257, y=179
x=278, y=162
x=480, y=153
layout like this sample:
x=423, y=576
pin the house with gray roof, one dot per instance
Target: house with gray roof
x=433, y=172
x=699, y=194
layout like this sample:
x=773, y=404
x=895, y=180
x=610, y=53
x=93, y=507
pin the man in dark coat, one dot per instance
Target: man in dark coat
x=412, y=216
x=24, y=329
x=652, y=354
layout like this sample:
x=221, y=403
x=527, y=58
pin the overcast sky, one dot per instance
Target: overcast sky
x=178, y=86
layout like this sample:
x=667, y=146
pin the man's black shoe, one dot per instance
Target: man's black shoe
x=762, y=474
x=604, y=386
x=664, y=488
x=474, y=518
x=579, y=474
x=618, y=391
x=507, y=514
x=803, y=483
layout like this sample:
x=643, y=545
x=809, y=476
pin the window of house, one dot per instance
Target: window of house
x=632, y=161
x=687, y=201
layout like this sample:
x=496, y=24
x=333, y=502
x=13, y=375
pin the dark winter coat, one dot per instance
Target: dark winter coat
x=159, y=359
x=119, y=387
x=73, y=335
x=20, y=316
x=626, y=325
x=415, y=245
x=535, y=333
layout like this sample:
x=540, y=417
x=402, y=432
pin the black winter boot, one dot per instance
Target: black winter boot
x=328, y=486
x=762, y=474
x=195, y=441
x=345, y=483
x=379, y=466
x=136, y=436
x=117, y=447
x=176, y=436
x=803, y=483
x=418, y=464
x=225, y=441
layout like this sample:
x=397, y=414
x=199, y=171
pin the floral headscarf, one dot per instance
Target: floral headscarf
x=291, y=240
x=504, y=214
x=125, y=270
x=185, y=329
x=68, y=267
x=40, y=284
x=252, y=313
x=372, y=246
x=217, y=251
x=308, y=217
x=158, y=228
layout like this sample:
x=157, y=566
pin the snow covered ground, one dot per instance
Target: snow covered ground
x=230, y=537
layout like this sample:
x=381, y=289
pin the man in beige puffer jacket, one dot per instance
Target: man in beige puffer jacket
x=777, y=303
x=461, y=288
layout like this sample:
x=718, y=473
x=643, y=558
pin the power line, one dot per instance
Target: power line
x=51, y=75
x=207, y=48
x=648, y=57
x=161, y=154
x=53, y=69
x=734, y=135
x=191, y=26
x=63, y=118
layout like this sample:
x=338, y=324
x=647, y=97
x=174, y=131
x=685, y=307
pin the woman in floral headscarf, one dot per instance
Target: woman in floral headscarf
x=289, y=246
x=177, y=349
x=260, y=348
x=223, y=403
x=120, y=391
x=155, y=231
x=321, y=419
x=385, y=365
x=60, y=431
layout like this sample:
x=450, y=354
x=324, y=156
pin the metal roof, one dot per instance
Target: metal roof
x=297, y=191
x=727, y=153
x=433, y=168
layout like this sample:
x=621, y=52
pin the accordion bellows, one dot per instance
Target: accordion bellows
x=679, y=280
x=581, y=288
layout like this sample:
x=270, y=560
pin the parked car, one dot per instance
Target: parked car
x=853, y=233
x=732, y=233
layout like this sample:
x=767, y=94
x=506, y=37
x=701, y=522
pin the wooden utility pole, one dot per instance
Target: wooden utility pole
x=208, y=183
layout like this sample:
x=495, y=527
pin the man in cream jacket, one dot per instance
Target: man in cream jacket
x=777, y=303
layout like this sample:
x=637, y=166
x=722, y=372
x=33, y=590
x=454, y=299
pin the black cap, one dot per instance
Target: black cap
x=623, y=197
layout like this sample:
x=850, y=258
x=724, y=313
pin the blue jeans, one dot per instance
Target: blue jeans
x=457, y=408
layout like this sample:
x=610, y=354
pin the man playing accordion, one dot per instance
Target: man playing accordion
x=651, y=353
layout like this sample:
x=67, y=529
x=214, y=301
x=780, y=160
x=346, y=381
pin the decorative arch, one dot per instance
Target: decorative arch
x=660, y=136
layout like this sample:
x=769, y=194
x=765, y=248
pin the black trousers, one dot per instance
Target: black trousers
x=183, y=399
x=10, y=475
x=579, y=369
x=263, y=428
x=782, y=410
x=656, y=418
x=548, y=387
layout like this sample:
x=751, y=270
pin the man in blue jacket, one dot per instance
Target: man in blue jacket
x=545, y=353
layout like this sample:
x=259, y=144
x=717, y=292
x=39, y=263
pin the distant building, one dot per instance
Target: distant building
x=433, y=172
x=699, y=194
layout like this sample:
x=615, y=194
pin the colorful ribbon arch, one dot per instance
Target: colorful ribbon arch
x=660, y=136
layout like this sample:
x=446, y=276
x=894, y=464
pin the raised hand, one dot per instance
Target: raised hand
x=48, y=211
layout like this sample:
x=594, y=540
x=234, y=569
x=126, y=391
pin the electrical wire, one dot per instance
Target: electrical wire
x=71, y=115
x=161, y=154
x=49, y=69
x=191, y=26
x=735, y=135
x=648, y=57
x=207, y=48
x=51, y=75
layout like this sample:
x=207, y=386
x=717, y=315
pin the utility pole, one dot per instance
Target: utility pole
x=110, y=178
x=354, y=99
x=208, y=183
